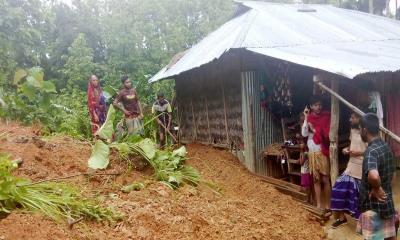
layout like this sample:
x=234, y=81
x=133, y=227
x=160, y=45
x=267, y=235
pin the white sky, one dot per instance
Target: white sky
x=68, y=2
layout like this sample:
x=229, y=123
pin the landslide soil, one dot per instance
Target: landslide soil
x=246, y=208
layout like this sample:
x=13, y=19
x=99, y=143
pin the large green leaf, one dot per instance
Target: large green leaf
x=99, y=158
x=45, y=101
x=18, y=102
x=148, y=147
x=122, y=148
x=49, y=87
x=106, y=131
x=33, y=82
x=19, y=74
x=28, y=90
x=181, y=152
x=109, y=92
x=38, y=75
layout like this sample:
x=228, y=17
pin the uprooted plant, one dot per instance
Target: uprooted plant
x=59, y=201
x=169, y=166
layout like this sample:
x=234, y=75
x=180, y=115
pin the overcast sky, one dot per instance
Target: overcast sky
x=69, y=2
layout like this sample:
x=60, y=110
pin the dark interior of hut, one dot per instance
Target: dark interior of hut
x=289, y=90
x=298, y=81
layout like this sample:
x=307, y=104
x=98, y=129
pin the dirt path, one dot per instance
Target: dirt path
x=247, y=208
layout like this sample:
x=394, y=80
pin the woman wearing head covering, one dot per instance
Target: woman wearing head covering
x=96, y=104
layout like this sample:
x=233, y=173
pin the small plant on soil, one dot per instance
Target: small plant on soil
x=59, y=201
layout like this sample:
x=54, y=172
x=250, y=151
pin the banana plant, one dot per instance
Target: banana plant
x=169, y=166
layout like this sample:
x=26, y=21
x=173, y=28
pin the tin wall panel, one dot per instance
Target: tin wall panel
x=259, y=127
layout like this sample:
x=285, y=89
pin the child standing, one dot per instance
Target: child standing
x=346, y=189
x=306, y=178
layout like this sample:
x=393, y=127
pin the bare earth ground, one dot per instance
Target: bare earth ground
x=247, y=208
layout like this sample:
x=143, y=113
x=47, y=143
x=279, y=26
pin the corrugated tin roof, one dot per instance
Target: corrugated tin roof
x=336, y=40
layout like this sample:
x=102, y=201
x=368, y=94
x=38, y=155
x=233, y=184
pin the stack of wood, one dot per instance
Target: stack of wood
x=274, y=149
x=286, y=187
x=295, y=191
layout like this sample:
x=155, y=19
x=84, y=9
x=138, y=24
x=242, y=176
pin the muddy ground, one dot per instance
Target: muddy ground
x=247, y=208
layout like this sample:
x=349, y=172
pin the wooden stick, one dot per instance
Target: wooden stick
x=293, y=193
x=72, y=222
x=67, y=177
x=277, y=182
x=357, y=110
x=167, y=130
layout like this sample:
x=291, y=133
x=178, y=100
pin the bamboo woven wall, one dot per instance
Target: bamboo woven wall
x=209, y=107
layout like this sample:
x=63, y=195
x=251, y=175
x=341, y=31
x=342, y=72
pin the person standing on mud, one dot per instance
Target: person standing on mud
x=96, y=103
x=378, y=217
x=128, y=102
x=163, y=110
x=316, y=129
x=345, y=192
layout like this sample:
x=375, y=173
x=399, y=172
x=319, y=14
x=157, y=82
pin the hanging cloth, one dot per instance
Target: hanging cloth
x=376, y=105
x=283, y=93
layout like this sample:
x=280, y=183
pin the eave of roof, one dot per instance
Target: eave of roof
x=340, y=41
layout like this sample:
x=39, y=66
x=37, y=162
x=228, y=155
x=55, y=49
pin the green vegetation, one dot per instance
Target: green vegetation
x=169, y=166
x=59, y=201
x=109, y=38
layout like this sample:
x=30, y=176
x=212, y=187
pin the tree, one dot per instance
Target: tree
x=79, y=64
x=22, y=27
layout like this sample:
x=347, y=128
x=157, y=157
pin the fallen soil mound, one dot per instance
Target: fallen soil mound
x=247, y=207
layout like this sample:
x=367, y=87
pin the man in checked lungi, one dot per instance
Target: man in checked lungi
x=378, y=218
x=346, y=189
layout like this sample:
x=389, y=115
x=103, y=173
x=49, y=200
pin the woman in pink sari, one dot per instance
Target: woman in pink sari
x=96, y=104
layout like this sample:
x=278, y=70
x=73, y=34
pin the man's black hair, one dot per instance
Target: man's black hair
x=160, y=94
x=370, y=122
x=356, y=126
x=124, y=78
x=315, y=99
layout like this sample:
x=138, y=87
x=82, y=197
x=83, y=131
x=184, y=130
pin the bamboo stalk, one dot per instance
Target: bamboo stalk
x=357, y=110
x=333, y=134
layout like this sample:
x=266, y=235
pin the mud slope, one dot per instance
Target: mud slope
x=247, y=208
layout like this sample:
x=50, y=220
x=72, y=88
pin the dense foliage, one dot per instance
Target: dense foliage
x=106, y=37
x=109, y=38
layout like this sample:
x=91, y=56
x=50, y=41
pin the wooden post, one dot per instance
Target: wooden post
x=208, y=120
x=387, y=3
x=371, y=6
x=333, y=133
x=225, y=113
x=194, y=121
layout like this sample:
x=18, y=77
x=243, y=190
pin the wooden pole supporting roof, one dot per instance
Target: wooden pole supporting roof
x=355, y=109
x=333, y=134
